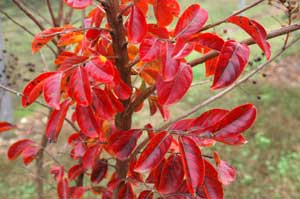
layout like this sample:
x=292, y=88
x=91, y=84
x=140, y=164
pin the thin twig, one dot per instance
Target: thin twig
x=250, y=41
x=234, y=14
x=200, y=82
x=24, y=28
x=28, y=14
x=60, y=17
x=36, y=11
x=228, y=89
x=51, y=13
x=68, y=16
x=42, y=178
x=19, y=94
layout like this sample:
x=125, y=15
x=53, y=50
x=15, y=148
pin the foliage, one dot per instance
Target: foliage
x=94, y=77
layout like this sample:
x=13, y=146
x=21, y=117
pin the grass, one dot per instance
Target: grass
x=268, y=166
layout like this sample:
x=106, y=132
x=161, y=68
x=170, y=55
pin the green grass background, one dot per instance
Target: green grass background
x=268, y=166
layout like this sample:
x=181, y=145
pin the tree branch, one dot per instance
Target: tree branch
x=233, y=14
x=60, y=13
x=228, y=89
x=19, y=94
x=28, y=14
x=24, y=28
x=250, y=41
x=54, y=21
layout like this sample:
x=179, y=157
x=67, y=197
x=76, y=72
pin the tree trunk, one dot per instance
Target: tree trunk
x=5, y=98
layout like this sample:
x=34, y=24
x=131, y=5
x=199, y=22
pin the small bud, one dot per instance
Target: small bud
x=258, y=59
x=258, y=97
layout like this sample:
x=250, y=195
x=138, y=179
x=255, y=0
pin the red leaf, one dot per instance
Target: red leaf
x=209, y=40
x=121, y=89
x=122, y=143
x=170, y=66
x=132, y=175
x=66, y=60
x=192, y=163
x=182, y=49
x=57, y=172
x=207, y=119
x=255, y=30
x=150, y=49
x=96, y=15
x=101, y=70
x=170, y=92
x=52, y=90
x=191, y=21
x=79, y=87
x=117, y=105
x=90, y=155
x=235, y=122
x=77, y=192
x=102, y=104
x=236, y=140
x=78, y=151
x=87, y=122
x=63, y=189
x=18, y=147
x=29, y=154
x=5, y=126
x=42, y=38
x=226, y=172
x=212, y=188
x=165, y=10
x=182, y=125
x=70, y=38
x=154, y=152
x=146, y=195
x=156, y=30
x=75, y=171
x=56, y=120
x=154, y=176
x=99, y=171
x=34, y=88
x=232, y=62
x=126, y=192
x=78, y=4
x=172, y=175
x=137, y=26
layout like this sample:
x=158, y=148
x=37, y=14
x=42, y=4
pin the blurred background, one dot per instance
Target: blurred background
x=268, y=165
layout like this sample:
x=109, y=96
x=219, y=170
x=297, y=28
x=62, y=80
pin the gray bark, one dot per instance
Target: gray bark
x=5, y=98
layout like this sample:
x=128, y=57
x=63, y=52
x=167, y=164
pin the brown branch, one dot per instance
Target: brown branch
x=233, y=14
x=54, y=21
x=139, y=100
x=36, y=11
x=39, y=168
x=28, y=14
x=60, y=16
x=24, y=28
x=119, y=43
x=19, y=94
x=68, y=16
x=250, y=41
x=17, y=23
x=228, y=89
